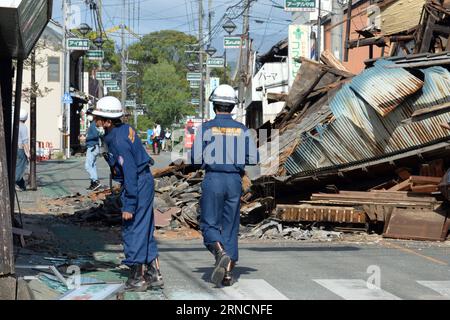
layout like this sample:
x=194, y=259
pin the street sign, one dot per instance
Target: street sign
x=111, y=83
x=300, y=5
x=67, y=98
x=95, y=55
x=215, y=62
x=114, y=89
x=104, y=76
x=194, y=76
x=195, y=84
x=78, y=44
x=195, y=102
x=233, y=42
x=130, y=103
x=133, y=62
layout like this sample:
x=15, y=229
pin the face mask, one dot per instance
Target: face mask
x=101, y=131
x=90, y=118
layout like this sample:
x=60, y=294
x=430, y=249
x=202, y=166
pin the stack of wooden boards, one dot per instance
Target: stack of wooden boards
x=409, y=209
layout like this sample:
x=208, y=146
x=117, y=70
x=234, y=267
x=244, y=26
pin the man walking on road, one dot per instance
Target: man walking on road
x=130, y=165
x=92, y=152
x=23, y=152
x=223, y=147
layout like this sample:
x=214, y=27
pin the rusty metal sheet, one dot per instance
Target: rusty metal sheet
x=162, y=219
x=417, y=224
x=305, y=212
x=385, y=89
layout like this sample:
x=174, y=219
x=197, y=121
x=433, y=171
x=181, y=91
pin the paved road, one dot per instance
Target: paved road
x=304, y=271
x=273, y=270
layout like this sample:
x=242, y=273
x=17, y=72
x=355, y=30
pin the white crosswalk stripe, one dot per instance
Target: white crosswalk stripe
x=355, y=289
x=252, y=289
x=441, y=287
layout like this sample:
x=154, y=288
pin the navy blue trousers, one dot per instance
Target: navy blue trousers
x=139, y=244
x=220, y=210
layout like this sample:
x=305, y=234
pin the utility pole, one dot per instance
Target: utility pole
x=243, y=61
x=33, y=110
x=200, y=41
x=66, y=109
x=208, y=70
x=124, y=71
x=319, y=31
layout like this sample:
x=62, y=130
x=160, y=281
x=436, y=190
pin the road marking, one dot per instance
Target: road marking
x=415, y=253
x=252, y=289
x=441, y=287
x=355, y=289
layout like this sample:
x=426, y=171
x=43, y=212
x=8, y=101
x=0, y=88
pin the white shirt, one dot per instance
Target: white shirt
x=158, y=131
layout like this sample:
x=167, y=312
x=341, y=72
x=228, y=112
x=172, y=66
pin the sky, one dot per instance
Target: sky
x=268, y=24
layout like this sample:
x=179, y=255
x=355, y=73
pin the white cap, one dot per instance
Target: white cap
x=23, y=115
x=108, y=107
x=224, y=94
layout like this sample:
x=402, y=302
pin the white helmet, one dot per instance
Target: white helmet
x=109, y=108
x=224, y=94
x=23, y=115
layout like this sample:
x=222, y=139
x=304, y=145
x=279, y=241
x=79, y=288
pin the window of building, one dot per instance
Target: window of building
x=53, y=69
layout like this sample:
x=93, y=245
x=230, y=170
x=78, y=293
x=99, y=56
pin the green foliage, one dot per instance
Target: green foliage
x=166, y=93
x=145, y=123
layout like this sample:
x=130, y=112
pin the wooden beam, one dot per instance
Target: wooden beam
x=6, y=237
x=425, y=180
x=425, y=111
x=402, y=186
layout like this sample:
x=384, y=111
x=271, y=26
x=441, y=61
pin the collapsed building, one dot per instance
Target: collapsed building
x=368, y=149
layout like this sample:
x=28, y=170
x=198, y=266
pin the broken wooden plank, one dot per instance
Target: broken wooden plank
x=416, y=224
x=330, y=60
x=402, y=186
x=307, y=212
x=428, y=188
x=425, y=111
x=425, y=180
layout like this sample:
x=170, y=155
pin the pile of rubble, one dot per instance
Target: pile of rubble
x=273, y=229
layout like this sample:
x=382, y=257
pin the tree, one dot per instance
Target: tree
x=166, y=94
x=165, y=45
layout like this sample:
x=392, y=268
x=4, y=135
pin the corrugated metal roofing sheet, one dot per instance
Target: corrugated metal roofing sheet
x=384, y=89
x=359, y=133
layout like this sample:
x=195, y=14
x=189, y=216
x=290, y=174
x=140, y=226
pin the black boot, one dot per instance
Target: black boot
x=228, y=279
x=136, y=281
x=153, y=275
x=222, y=262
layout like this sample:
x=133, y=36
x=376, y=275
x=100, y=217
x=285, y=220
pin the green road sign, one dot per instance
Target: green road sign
x=130, y=103
x=115, y=89
x=95, y=55
x=78, y=44
x=111, y=83
x=104, y=76
x=195, y=102
x=233, y=42
x=194, y=76
x=300, y=5
x=215, y=62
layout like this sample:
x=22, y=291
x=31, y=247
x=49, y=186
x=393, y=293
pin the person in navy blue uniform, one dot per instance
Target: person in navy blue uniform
x=130, y=166
x=223, y=147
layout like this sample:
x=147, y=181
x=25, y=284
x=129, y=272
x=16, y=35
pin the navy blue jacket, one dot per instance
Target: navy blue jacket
x=224, y=145
x=92, y=138
x=128, y=159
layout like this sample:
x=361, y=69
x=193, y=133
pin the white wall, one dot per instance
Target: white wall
x=49, y=106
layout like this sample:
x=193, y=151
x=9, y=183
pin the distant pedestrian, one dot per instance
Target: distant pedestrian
x=157, y=139
x=23, y=152
x=92, y=152
x=168, y=140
